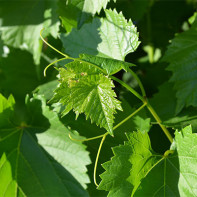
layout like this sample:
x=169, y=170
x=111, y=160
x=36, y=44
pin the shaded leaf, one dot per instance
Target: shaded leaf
x=111, y=37
x=36, y=155
x=164, y=103
x=75, y=12
x=182, y=56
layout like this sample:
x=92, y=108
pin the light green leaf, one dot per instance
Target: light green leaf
x=37, y=156
x=111, y=37
x=175, y=175
x=129, y=165
x=182, y=56
x=111, y=66
x=75, y=12
x=85, y=90
x=21, y=27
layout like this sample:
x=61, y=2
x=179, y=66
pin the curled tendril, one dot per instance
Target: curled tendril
x=65, y=56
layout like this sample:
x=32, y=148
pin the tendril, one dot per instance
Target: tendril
x=51, y=45
x=52, y=64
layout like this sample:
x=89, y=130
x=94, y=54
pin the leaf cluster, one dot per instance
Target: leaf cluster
x=129, y=70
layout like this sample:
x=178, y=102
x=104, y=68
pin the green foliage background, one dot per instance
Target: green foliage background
x=157, y=39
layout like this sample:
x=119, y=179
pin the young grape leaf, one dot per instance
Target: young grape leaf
x=175, y=175
x=37, y=158
x=182, y=56
x=85, y=90
x=111, y=66
x=129, y=165
x=111, y=37
x=20, y=26
x=75, y=13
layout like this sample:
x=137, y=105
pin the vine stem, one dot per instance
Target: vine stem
x=97, y=157
x=85, y=140
x=145, y=101
x=128, y=117
x=129, y=88
x=167, y=133
x=139, y=82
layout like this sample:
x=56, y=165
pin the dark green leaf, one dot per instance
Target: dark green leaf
x=182, y=56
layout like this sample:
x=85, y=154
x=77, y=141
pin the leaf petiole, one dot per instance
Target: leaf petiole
x=85, y=140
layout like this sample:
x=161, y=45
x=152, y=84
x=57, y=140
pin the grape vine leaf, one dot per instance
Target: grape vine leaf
x=85, y=90
x=135, y=170
x=36, y=155
x=111, y=66
x=111, y=37
x=182, y=56
x=20, y=27
x=75, y=13
x=129, y=165
x=177, y=169
x=165, y=107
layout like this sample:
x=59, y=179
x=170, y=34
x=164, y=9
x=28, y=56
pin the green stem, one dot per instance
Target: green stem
x=145, y=101
x=128, y=117
x=88, y=139
x=167, y=133
x=139, y=82
x=97, y=156
x=129, y=88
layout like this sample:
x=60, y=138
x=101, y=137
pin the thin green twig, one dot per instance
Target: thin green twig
x=51, y=45
x=129, y=88
x=139, y=82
